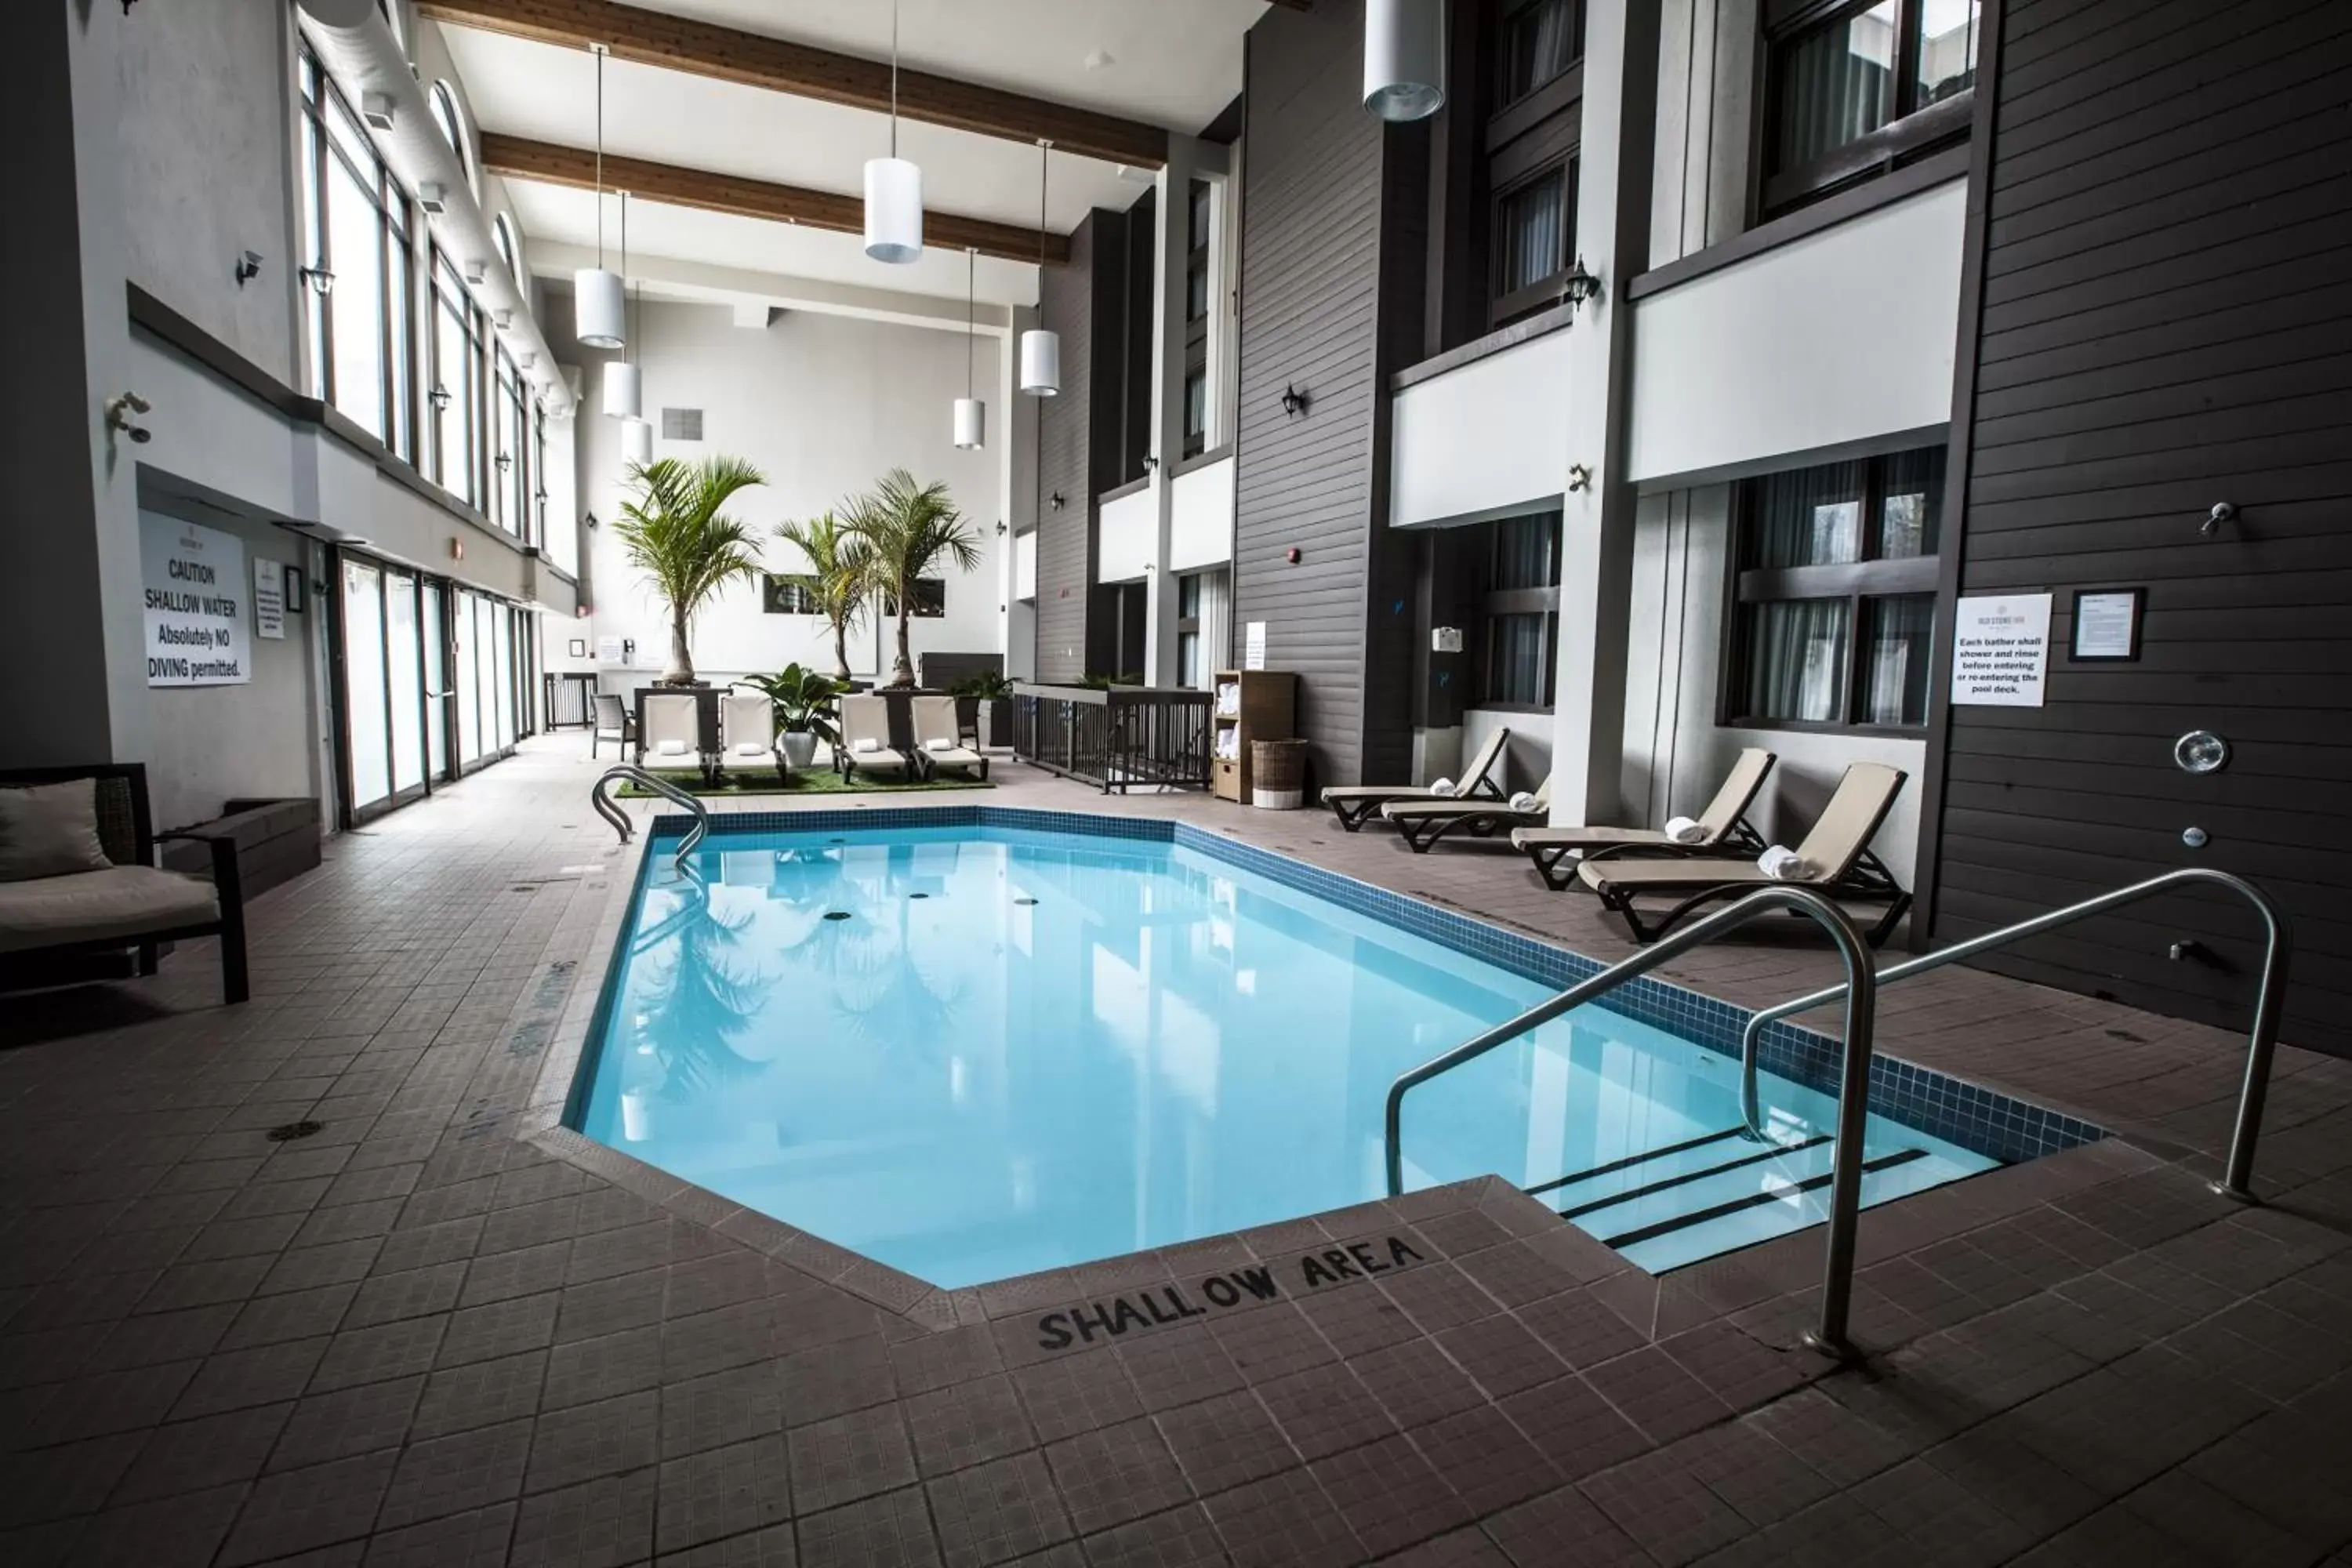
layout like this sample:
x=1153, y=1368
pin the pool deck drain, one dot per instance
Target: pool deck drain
x=422, y=1336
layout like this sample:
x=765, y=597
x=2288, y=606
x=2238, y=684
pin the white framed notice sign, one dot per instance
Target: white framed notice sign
x=1253, y=646
x=268, y=598
x=2000, y=649
x=193, y=583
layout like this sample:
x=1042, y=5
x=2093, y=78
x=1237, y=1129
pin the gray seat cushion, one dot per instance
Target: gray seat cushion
x=125, y=901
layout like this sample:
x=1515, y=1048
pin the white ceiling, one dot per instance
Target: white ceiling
x=1176, y=63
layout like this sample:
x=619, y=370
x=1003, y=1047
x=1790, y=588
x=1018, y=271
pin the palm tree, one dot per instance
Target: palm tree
x=907, y=527
x=671, y=531
x=838, y=578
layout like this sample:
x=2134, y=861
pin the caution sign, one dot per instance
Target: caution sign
x=194, y=582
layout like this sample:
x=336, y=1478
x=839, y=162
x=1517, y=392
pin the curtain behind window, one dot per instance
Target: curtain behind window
x=1540, y=42
x=1534, y=232
x=1796, y=660
x=1834, y=85
x=1808, y=516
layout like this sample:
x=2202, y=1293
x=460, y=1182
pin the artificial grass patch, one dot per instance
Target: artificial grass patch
x=803, y=781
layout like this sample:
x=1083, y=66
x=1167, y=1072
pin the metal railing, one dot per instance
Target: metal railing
x=1853, y=1092
x=1117, y=738
x=2261, y=1038
x=660, y=786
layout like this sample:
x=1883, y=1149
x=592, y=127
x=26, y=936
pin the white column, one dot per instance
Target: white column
x=1015, y=436
x=1617, y=132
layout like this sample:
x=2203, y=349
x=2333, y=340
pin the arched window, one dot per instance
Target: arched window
x=502, y=234
x=391, y=10
x=453, y=131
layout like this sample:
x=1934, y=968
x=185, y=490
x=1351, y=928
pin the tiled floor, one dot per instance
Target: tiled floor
x=415, y=1338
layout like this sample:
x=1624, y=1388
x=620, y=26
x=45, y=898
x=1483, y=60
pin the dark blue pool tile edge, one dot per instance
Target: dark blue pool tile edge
x=1982, y=1121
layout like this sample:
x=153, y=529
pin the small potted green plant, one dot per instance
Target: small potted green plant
x=804, y=709
x=984, y=704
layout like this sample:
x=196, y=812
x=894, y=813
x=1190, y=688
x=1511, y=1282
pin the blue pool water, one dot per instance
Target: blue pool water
x=975, y=1052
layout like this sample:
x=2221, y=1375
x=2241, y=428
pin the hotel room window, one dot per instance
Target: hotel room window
x=1518, y=611
x=1855, y=88
x=1535, y=230
x=1198, y=292
x=1540, y=39
x=1187, y=631
x=1835, y=594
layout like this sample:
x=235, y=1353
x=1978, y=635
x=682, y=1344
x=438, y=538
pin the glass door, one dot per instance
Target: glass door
x=440, y=687
x=469, y=690
x=365, y=694
x=405, y=666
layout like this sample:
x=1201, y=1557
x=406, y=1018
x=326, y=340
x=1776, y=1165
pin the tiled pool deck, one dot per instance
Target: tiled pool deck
x=419, y=1337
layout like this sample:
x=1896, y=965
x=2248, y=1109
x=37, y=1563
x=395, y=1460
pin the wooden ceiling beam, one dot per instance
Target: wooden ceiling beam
x=804, y=71
x=554, y=163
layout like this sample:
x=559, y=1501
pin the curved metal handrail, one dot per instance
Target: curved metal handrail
x=660, y=786
x=2261, y=1041
x=1853, y=1092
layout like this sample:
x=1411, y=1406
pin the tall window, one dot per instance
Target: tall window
x=456, y=392
x=1535, y=226
x=509, y=469
x=502, y=235
x=1837, y=593
x=1518, y=611
x=1187, y=631
x=1540, y=39
x=1534, y=106
x=1858, y=86
x=356, y=279
x=443, y=103
x=1199, y=291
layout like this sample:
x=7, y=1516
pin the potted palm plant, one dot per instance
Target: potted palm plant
x=671, y=529
x=838, y=578
x=803, y=701
x=908, y=528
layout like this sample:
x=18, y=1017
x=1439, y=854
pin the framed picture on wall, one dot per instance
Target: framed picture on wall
x=295, y=584
x=577, y=647
x=2107, y=624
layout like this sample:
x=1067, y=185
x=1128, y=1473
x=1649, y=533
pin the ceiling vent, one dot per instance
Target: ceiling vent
x=433, y=196
x=681, y=423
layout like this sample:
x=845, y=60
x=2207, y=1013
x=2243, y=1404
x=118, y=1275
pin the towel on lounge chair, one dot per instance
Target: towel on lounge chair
x=1525, y=801
x=1782, y=864
x=1355, y=805
x=1441, y=788
x=1721, y=829
x=1685, y=830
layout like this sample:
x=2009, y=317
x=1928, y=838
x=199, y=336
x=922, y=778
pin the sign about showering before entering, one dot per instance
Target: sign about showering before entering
x=1163, y=1306
x=2000, y=649
x=195, y=584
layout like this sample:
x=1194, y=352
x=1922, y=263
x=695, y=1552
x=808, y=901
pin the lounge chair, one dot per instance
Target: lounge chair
x=1725, y=822
x=1354, y=805
x=939, y=742
x=747, y=728
x=866, y=741
x=1836, y=855
x=673, y=732
x=612, y=722
x=1424, y=822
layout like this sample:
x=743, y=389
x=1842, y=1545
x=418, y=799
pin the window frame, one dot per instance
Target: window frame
x=1507, y=306
x=1494, y=603
x=449, y=119
x=776, y=585
x=322, y=152
x=1858, y=583
x=1910, y=131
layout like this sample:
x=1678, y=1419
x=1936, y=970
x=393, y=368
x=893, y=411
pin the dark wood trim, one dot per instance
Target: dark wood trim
x=1552, y=321
x=804, y=71
x=1121, y=492
x=1952, y=546
x=1561, y=94
x=1216, y=454
x=1952, y=163
x=1872, y=151
x=554, y=163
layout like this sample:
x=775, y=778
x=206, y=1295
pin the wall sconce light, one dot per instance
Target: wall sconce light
x=248, y=268
x=1580, y=477
x=590, y=520
x=505, y=461
x=1579, y=286
x=1058, y=503
x=1000, y=528
x=119, y=410
x=2223, y=511
x=321, y=281
x=439, y=398
x=1294, y=402
x=1151, y=462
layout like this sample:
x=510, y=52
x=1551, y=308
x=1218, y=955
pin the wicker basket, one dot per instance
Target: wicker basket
x=1278, y=774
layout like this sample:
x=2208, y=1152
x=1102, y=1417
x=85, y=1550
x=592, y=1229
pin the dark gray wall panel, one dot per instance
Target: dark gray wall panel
x=1066, y=538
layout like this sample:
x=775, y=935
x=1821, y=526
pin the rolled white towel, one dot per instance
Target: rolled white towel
x=1443, y=789
x=670, y=748
x=1781, y=864
x=1523, y=801
x=750, y=749
x=937, y=745
x=865, y=746
x=1683, y=830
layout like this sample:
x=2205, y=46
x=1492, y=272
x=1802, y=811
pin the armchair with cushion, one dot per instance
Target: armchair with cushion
x=78, y=872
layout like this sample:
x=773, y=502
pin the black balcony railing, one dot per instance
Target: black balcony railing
x=1115, y=739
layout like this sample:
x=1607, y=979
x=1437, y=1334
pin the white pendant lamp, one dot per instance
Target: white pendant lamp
x=623, y=389
x=1404, y=57
x=597, y=293
x=894, y=187
x=970, y=416
x=1041, y=350
x=637, y=441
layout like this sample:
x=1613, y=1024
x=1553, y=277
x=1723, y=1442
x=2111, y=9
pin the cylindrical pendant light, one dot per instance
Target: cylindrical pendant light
x=637, y=441
x=1404, y=57
x=623, y=394
x=1041, y=350
x=970, y=415
x=894, y=187
x=597, y=293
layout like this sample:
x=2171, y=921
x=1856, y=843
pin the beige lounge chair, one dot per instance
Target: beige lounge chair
x=938, y=743
x=1725, y=820
x=866, y=741
x=1424, y=822
x=1354, y=805
x=1836, y=853
x=672, y=737
x=747, y=728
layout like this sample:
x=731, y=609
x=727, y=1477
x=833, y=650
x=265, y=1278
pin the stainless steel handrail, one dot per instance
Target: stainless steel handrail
x=1853, y=1093
x=2261, y=1039
x=660, y=786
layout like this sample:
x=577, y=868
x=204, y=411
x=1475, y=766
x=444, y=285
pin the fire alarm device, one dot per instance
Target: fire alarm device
x=1446, y=639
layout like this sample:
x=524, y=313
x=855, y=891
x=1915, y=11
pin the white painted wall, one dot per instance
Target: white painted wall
x=1200, y=523
x=1842, y=336
x=1025, y=566
x=1674, y=753
x=825, y=406
x=1485, y=439
x=1128, y=537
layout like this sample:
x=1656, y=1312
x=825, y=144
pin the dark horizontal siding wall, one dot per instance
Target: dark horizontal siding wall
x=1311, y=275
x=1066, y=538
x=2166, y=322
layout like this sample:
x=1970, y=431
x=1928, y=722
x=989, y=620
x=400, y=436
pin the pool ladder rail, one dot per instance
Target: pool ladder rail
x=1860, y=992
x=624, y=772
